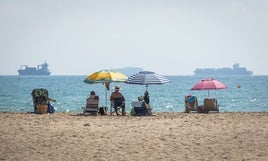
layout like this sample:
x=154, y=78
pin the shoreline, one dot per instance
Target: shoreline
x=164, y=136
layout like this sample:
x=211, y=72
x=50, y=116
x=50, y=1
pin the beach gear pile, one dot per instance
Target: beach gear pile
x=40, y=101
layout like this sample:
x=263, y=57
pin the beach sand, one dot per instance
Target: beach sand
x=165, y=136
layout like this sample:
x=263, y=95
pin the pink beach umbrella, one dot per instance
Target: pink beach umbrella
x=208, y=84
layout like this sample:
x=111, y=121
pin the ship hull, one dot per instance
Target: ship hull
x=25, y=72
x=218, y=74
x=235, y=71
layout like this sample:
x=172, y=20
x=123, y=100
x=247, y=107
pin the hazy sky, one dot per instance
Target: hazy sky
x=173, y=37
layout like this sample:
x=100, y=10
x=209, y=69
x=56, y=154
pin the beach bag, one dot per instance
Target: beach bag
x=200, y=109
x=103, y=110
x=51, y=108
x=132, y=112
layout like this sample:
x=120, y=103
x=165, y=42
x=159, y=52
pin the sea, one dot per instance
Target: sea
x=243, y=93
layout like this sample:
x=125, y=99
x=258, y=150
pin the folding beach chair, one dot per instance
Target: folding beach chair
x=191, y=103
x=116, y=105
x=140, y=109
x=92, y=106
x=211, y=104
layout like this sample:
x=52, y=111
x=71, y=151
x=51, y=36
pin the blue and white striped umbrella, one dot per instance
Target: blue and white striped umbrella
x=147, y=78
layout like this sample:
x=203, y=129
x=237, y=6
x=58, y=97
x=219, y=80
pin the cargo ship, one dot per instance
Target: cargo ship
x=236, y=70
x=41, y=69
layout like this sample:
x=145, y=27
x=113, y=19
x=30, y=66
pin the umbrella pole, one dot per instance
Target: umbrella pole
x=208, y=93
x=106, y=98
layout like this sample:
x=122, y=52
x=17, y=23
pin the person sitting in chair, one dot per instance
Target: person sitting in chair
x=92, y=103
x=93, y=95
x=141, y=108
x=118, y=100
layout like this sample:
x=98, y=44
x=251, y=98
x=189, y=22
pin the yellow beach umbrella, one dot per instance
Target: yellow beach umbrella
x=106, y=77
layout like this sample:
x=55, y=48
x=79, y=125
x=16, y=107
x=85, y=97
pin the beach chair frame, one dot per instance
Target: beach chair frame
x=92, y=106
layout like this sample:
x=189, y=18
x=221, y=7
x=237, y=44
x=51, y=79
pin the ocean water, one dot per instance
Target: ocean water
x=71, y=93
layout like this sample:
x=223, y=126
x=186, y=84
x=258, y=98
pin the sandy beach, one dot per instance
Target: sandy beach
x=165, y=136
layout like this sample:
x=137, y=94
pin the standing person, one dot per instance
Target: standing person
x=146, y=97
x=118, y=100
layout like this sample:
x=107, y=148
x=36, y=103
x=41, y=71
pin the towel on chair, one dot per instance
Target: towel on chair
x=191, y=99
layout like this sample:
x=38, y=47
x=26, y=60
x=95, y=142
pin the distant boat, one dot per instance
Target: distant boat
x=41, y=69
x=236, y=70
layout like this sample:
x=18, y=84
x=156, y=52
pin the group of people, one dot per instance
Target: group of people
x=118, y=100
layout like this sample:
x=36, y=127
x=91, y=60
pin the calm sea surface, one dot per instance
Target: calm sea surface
x=71, y=93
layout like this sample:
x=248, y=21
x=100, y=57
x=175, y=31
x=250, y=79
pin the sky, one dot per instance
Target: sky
x=170, y=37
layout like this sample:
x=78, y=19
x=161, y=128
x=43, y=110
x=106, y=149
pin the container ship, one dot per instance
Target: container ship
x=41, y=69
x=236, y=70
